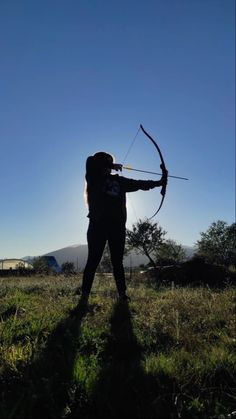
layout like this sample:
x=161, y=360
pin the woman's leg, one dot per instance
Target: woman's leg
x=116, y=241
x=96, y=237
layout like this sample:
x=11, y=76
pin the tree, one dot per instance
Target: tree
x=146, y=237
x=217, y=244
x=170, y=253
x=40, y=266
x=68, y=268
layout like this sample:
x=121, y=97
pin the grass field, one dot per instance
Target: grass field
x=169, y=353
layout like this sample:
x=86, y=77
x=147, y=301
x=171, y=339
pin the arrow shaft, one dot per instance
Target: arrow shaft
x=152, y=173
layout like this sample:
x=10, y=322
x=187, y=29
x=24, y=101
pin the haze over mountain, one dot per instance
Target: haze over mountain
x=78, y=255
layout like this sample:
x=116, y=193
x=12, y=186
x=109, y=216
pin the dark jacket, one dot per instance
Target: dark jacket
x=107, y=197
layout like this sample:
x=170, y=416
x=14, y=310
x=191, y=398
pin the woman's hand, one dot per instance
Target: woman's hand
x=164, y=179
x=116, y=166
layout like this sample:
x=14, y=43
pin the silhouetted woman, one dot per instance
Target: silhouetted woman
x=106, y=198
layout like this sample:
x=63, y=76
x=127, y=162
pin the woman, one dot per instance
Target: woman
x=106, y=198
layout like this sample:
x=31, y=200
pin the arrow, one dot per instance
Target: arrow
x=152, y=173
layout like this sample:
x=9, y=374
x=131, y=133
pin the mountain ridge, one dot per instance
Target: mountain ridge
x=77, y=254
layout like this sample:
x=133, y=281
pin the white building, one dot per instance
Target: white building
x=13, y=264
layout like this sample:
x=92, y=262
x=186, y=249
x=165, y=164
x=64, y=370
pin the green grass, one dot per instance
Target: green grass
x=169, y=353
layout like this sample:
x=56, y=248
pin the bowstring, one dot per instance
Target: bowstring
x=130, y=147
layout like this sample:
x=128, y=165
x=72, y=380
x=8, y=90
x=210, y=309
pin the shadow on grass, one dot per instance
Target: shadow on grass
x=123, y=389
x=43, y=390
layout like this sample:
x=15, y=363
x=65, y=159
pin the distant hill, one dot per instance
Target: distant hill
x=77, y=254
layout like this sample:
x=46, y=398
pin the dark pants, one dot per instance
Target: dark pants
x=100, y=232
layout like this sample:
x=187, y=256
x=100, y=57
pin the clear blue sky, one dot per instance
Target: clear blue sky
x=79, y=76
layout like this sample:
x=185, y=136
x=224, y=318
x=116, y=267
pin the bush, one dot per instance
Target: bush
x=196, y=272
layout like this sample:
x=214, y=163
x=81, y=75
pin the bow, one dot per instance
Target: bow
x=163, y=169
